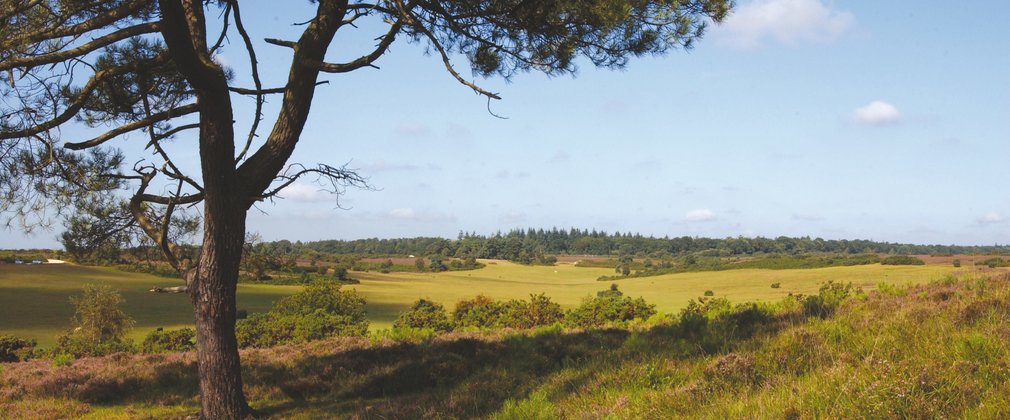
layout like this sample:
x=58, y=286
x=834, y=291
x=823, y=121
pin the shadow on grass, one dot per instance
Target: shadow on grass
x=458, y=375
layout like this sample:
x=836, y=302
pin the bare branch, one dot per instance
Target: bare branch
x=414, y=23
x=280, y=42
x=176, y=289
x=367, y=60
x=254, y=63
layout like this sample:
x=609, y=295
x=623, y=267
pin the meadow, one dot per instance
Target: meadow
x=34, y=299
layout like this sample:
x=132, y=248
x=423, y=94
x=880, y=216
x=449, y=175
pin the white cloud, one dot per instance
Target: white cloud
x=991, y=218
x=304, y=193
x=700, y=215
x=404, y=213
x=789, y=22
x=877, y=113
x=409, y=214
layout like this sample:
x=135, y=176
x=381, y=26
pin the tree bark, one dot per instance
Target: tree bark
x=212, y=284
x=214, y=307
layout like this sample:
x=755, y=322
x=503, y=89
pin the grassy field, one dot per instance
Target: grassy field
x=34, y=299
x=389, y=294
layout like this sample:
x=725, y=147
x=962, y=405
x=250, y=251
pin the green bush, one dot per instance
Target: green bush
x=608, y=307
x=902, y=260
x=824, y=303
x=479, y=312
x=539, y=310
x=98, y=326
x=16, y=349
x=993, y=262
x=957, y=263
x=320, y=310
x=483, y=312
x=425, y=314
x=776, y=285
x=161, y=341
x=709, y=293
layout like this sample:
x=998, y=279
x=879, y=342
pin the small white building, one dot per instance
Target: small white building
x=52, y=261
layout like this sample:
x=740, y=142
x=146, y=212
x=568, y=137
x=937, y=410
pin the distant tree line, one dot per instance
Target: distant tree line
x=537, y=245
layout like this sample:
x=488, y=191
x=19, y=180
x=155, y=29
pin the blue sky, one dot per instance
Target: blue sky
x=861, y=119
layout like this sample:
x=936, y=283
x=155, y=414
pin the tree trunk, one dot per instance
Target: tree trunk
x=214, y=309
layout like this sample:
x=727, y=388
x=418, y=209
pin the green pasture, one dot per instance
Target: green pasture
x=389, y=294
x=34, y=299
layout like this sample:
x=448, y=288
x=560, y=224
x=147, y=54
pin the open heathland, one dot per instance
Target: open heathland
x=926, y=351
x=34, y=299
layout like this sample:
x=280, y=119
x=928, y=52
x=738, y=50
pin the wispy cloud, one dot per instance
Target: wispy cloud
x=305, y=193
x=788, y=22
x=410, y=214
x=700, y=215
x=991, y=218
x=878, y=113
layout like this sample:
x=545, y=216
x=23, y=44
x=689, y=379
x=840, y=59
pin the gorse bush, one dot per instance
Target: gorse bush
x=425, y=314
x=161, y=341
x=16, y=349
x=902, y=260
x=479, y=312
x=484, y=312
x=320, y=310
x=609, y=306
x=98, y=326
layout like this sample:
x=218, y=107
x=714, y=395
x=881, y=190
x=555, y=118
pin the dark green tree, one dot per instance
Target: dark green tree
x=144, y=66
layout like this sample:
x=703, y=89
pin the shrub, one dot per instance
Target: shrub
x=902, y=260
x=98, y=326
x=161, y=341
x=824, y=303
x=480, y=312
x=483, y=312
x=539, y=310
x=425, y=314
x=608, y=307
x=16, y=349
x=957, y=263
x=709, y=293
x=320, y=310
x=993, y=262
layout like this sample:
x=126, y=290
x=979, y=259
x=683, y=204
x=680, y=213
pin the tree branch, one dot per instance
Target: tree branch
x=83, y=96
x=136, y=125
x=59, y=56
x=367, y=60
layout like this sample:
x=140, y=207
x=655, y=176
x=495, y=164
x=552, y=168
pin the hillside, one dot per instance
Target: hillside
x=932, y=350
